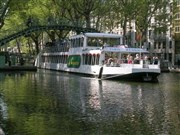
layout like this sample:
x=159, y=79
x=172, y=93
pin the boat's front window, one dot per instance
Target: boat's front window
x=100, y=41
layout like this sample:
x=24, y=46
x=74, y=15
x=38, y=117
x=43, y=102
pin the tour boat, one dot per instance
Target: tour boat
x=101, y=55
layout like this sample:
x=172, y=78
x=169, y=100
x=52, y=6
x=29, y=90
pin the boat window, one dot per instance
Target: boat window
x=90, y=59
x=100, y=41
x=45, y=58
x=170, y=44
x=81, y=42
x=93, y=59
x=86, y=59
x=73, y=43
x=78, y=42
x=164, y=45
x=55, y=59
x=155, y=45
x=159, y=45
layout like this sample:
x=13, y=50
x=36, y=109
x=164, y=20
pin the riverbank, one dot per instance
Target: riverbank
x=176, y=70
x=18, y=68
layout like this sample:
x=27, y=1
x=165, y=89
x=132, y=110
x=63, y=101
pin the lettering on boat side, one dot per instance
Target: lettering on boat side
x=74, y=61
x=116, y=49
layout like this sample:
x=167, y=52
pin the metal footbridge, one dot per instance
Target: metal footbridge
x=40, y=28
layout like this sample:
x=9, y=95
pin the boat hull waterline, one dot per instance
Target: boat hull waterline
x=105, y=73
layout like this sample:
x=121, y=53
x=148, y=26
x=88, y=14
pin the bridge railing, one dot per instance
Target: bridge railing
x=36, y=22
x=36, y=25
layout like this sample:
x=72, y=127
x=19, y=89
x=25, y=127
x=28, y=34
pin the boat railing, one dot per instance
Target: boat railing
x=140, y=64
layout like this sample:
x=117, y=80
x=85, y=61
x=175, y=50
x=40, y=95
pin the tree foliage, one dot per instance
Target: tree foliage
x=104, y=15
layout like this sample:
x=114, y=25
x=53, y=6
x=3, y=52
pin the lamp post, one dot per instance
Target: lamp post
x=130, y=36
x=141, y=35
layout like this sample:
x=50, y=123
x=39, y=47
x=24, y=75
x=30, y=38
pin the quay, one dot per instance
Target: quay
x=175, y=70
x=13, y=62
x=18, y=68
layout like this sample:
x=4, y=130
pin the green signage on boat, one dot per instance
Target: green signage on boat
x=74, y=61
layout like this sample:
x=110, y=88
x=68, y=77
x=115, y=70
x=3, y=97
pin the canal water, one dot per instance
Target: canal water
x=55, y=103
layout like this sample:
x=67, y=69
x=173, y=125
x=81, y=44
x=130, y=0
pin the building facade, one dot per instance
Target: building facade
x=176, y=32
x=165, y=44
x=161, y=43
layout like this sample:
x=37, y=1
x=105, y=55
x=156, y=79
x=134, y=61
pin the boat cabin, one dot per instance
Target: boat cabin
x=88, y=40
x=121, y=55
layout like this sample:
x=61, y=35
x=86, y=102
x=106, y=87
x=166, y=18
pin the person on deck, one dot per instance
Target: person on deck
x=130, y=60
x=136, y=59
x=155, y=60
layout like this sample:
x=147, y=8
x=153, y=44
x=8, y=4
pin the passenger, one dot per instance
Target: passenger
x=156, y=61
x=110, y=62
x=136, y=59
x=146, y=60
x=153, y=60
x=130, y=60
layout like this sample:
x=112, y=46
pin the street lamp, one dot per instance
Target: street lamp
x=130, y=36
x=141, y=35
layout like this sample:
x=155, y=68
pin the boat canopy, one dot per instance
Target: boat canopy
x=104, y=35
x=125, y=50
x=97, y=35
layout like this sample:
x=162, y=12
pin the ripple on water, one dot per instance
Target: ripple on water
x=49, y=102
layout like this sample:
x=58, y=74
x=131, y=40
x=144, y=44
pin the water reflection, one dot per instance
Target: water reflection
x=49, y=102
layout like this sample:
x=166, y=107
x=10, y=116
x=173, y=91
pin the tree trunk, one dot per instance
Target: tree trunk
x=36, y=41
x=87, y=17
x=37, y=45
x=124, y=30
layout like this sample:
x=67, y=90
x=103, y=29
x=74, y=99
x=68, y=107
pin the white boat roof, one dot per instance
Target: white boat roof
x=125, y=50
x=105, y=35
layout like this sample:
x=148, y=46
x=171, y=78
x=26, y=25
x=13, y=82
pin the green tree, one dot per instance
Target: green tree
x=149, y=9
x=4, y=5
x=105, y=15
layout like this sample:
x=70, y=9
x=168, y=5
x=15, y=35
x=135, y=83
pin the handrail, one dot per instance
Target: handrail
x=26, y=31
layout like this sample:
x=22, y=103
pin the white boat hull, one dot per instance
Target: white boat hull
x=101, y=55
x=133, y=72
